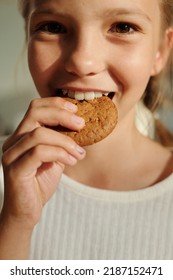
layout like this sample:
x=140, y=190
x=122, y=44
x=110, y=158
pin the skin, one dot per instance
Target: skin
x=92, y=51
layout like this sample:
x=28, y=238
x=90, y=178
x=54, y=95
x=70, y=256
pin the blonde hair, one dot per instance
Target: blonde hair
x=24, y=8
x=162, y=83
x=160, y=87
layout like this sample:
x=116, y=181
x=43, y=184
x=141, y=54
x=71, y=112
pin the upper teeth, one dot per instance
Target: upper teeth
x=79, y=95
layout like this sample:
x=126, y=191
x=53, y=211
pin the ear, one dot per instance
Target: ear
x=163, y=52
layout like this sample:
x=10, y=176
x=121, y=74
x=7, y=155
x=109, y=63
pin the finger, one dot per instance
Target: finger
x=44, y=136
x=57, y=102
x=10, y=141
x=40, y=116
x=50, y=116
x=36, y=157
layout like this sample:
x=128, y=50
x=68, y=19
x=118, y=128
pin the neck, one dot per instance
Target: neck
x=125, y=160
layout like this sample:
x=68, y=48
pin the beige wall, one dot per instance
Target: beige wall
x=16, y=87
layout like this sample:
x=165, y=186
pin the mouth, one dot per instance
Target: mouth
x=83, y=95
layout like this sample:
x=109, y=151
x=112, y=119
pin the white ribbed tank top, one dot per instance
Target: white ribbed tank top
x=81, y=222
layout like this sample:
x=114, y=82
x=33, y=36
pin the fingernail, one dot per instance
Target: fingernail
x=78, y=120
x=70, y=106
x=80, y=150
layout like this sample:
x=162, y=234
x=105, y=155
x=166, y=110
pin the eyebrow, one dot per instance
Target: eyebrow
x=109, y=13
x=127, y=12
x=47, y=11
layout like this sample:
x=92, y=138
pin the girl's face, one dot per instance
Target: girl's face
x=94, y=46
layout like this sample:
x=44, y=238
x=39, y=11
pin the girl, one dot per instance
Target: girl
x=113, y=199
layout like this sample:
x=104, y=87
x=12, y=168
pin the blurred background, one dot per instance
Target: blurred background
x=16, y=86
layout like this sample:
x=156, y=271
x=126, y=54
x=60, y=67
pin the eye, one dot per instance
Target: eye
x=52, y=27
x=123, y=28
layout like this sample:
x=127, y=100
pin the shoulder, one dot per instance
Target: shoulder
x=165, y=161
x=160, y=161
x=168, y=168
x=154, y=162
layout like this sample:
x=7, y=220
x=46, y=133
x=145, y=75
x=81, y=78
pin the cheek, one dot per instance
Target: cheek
x=135, y=68
x=134, y=71
x=42, y=61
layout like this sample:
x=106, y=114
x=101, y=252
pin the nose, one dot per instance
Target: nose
x=84, y=57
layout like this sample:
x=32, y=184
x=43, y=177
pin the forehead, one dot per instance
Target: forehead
x=101, y=3
x=150, y=7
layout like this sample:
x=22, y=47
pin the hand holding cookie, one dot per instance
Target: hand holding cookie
x=34, y=158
